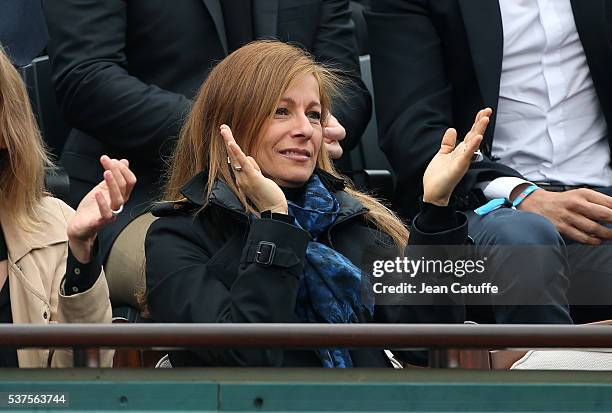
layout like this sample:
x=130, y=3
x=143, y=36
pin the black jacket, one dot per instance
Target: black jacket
x=125, y=73
x=202, y=268
x=435, y=63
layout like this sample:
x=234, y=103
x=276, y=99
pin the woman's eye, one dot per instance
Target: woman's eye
x=281, y=112
x=314, y=115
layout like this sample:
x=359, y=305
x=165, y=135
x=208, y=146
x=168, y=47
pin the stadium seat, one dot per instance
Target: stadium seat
x=370, y=168
x=37, y=78
x=57, y=182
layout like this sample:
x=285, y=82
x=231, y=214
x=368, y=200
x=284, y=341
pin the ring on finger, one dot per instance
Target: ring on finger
x=117, y=211
x=477, y=156
x=237, y=168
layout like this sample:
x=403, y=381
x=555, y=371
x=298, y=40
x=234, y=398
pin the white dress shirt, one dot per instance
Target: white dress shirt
x=549, y=126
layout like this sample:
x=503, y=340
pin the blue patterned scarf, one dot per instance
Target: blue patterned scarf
x=330, y=288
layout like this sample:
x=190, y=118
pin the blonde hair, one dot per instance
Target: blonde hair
x=22, y=164
x=243, y=91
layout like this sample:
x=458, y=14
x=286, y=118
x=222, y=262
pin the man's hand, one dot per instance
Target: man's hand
x=333, y=133
x=577, y=214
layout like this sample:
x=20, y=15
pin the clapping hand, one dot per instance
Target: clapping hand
x=262, y=191
x=452, y=161
x=100, y=207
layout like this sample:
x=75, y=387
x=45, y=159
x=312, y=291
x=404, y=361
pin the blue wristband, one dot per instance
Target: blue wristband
x=526, y=192
x=492, y=205
x=497, y=203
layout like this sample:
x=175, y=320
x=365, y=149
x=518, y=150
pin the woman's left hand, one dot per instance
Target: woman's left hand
x=262, y=191
x=96, y=208
x=450, y=163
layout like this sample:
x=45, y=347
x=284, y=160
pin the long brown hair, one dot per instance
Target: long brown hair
x=243, y=91
x=22, y=164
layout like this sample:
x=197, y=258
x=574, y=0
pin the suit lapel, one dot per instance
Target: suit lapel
x=483, y=24
x=214, y=8
x=590, y=18
x=265, y=18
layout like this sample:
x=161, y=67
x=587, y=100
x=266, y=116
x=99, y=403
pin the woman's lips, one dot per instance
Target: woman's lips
x=300, y=155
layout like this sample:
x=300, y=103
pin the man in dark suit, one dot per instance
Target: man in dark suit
x=125, y=73
x=543, y=68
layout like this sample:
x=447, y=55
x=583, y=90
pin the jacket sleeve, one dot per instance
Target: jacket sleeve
x=433, y=228
x=335, y=45
x=186, y=282
x=439, y=226
x=413, y=93
x=95, y=92
x=89, y=306
x=80, y=277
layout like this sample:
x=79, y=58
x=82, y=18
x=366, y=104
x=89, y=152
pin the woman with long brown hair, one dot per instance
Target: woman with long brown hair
x=258, y=227
x=49, y=269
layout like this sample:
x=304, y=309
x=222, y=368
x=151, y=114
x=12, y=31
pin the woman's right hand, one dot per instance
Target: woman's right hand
x=262, y=191
x=96, y=208
x=452, y=162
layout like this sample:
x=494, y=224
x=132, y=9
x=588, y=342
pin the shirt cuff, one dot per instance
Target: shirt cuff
x=80, y=277
x=501, y=187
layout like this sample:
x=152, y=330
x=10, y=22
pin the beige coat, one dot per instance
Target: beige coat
x=36, y=266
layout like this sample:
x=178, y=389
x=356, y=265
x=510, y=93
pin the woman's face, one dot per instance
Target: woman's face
x=288, y=148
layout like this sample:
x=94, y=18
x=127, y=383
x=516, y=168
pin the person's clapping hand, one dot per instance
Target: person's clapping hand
x=100, y=207
x=262, y=191
x=452, y=161
x=333, y=133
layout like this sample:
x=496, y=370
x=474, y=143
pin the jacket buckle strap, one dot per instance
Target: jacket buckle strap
x=264, y=255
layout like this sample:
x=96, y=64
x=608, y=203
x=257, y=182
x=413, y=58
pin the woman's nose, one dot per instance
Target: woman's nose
x=303, y=127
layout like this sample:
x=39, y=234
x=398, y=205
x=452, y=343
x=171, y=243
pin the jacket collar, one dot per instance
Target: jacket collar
x=51, y=231
x=195, y=190
x=214, y=8
x=483, y=24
